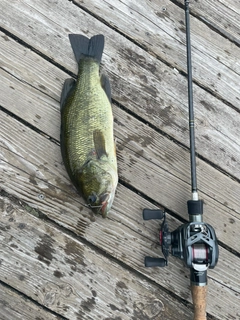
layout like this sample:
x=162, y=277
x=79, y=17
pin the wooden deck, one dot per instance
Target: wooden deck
x=58, y=260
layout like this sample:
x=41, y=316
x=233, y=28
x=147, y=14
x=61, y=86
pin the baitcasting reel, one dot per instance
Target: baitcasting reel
x=194, y=242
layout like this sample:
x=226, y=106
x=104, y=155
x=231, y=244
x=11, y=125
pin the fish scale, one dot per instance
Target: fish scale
x=87, y=142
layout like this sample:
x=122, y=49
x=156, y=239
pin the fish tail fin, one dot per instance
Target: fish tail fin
x=83, y=46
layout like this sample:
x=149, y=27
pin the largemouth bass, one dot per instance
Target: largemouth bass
x=87, y=142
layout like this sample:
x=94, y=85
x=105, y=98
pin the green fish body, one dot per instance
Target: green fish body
x=87, y=142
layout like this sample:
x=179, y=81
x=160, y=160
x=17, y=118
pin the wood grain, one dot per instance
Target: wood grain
x=53, y=249
x=124, y=235
x=68, y=277
x=159, y=27
x=133, y=157
x=154, y=100
x=221, y=16
x=13, y=306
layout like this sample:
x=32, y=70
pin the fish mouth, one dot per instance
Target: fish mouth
x=103, y=207
x=104, y=199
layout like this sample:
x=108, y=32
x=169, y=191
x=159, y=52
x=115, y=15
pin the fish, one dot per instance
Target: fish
x=87, y=141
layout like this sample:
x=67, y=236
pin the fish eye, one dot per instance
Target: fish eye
x=92, y=198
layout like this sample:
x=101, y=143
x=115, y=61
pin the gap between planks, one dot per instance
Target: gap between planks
x=204, y=137
x=100, y=232
x=71, y=278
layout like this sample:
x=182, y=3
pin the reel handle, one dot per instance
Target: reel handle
x=199, y=298
x=155, y=262
x=149, y=214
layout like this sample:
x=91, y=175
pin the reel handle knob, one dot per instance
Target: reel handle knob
x=155, y=262
x=149, y=214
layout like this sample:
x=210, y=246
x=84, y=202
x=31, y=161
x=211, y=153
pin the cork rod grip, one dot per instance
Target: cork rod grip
x=199, y=297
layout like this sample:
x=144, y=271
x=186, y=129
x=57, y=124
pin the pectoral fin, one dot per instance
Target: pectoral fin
x=99, y=143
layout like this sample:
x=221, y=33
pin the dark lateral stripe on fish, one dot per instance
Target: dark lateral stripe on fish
x=82, y=46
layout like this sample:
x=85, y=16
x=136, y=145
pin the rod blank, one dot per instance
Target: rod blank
x=190, y=102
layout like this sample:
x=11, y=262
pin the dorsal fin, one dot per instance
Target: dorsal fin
x=68, y=88
x=106, y=86
x=99, y=143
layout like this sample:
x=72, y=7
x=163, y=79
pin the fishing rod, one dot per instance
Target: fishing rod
x=194, y=242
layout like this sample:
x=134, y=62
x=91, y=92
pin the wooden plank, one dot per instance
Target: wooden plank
x=142, y=164
x=130, y=247
x=22, y=105
x=14, y=306
x=56, y=201
x=220, y=15
x=72, y=279
x=162, y=155
x=21, y=99
x=162, y=152
x=170, y=160
x=154, y=101
x=157, y=149
x=124, y=235
x=159, y=26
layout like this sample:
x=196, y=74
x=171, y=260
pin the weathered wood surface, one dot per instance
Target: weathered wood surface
x=123, y=235
x=159, y=27
x=149, y=161
x=150, y=94
x=131, y=160
x=222, y=16
x=13, y=306
x=72, y=279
